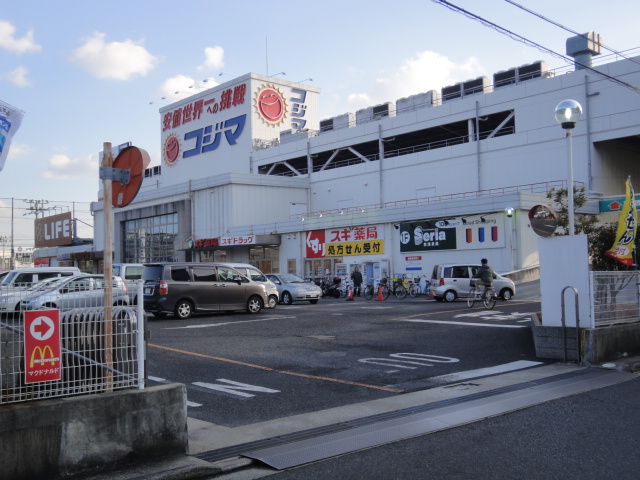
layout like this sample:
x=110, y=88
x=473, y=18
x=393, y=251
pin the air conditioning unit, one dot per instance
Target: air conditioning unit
x=533, y=70
x=477, y=85
x=346, y=120
x=451, y=92
x=505, y=77
x=326, y=125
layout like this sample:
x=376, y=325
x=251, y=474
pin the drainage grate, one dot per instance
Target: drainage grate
x=315, y=433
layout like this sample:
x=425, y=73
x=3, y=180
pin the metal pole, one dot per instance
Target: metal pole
x=140, y=336
x=570, y=185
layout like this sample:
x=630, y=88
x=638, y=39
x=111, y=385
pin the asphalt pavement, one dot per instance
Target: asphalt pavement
x=592, y=433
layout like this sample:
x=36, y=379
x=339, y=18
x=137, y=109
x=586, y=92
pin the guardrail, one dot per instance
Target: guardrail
x=91, y=360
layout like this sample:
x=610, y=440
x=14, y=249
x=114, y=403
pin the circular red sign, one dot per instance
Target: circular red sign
x=271, y=105
x=136, y=160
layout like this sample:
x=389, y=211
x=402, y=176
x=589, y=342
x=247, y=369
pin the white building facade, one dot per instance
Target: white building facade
x=250, y=174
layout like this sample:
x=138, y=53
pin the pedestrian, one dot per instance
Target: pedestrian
x=356, y=278
x=485, y=275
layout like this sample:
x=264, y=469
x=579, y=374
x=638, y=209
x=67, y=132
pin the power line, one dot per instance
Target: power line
x=530, y=43
x=542, y=17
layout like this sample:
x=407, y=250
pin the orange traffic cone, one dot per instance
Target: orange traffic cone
x=350, y=297
x=380, y=297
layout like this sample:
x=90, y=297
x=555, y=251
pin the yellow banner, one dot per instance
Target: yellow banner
x=622, y=249
x=366, y=247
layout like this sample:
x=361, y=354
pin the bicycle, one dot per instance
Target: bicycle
x=399, y=289
x=488, y=297
x=370, y=291
x=416, y=290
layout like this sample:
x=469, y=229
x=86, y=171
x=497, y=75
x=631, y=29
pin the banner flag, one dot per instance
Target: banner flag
x=10, y=120
x=622, y=249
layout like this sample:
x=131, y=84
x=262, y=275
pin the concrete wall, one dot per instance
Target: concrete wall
x=54, y=438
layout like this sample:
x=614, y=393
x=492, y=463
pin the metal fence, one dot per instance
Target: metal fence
x=96, y=354
x=615, y=297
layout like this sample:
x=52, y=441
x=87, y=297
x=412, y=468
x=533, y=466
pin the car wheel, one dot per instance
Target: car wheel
x=313, y=302
x=273, y=301
x=159, y=314
x=449, y=296
x=506, y=294
x=184, y=309
x=287, y=299
x=254, y=305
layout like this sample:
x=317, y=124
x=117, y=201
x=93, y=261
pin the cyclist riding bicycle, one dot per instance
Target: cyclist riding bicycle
x=484, y=276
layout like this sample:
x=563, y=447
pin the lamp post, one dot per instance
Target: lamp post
x=568, y=113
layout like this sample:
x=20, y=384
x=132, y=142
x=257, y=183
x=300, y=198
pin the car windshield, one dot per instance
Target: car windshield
x=46, y=284
x=290, y=278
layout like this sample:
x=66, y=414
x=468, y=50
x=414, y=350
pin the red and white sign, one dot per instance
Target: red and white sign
x=318, y=241
x=42, y=346
x=240, y=240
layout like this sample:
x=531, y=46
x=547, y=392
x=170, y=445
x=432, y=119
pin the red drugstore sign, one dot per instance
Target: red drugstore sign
x=42, y=346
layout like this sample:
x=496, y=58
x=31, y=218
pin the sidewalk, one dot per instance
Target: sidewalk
x=205, y=439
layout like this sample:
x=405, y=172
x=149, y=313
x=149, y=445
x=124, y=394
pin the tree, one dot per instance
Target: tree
x=583, y=223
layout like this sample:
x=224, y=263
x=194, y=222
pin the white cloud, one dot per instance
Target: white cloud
x=214, y=58
x=17, y=76
x=8, y=41
x=19, y=151
x=113, y=60
x=421, y=73
x=182, y=86
x=61, y=167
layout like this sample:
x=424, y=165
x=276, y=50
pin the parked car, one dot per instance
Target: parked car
x=292, y=288
x=256, y=275
x=79, y=291
x=452, y=281
x=181, y=289
x=22, y=278
x=130, y=273
x=10, y=299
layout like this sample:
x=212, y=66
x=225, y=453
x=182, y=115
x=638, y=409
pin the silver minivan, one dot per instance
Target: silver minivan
x=184, y=288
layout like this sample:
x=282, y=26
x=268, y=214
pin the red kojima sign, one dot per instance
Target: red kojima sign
x=42, y=346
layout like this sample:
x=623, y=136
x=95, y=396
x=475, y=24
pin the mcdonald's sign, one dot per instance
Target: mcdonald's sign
x=42, y=346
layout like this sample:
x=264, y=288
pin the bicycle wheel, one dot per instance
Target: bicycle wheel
x=385, y=291
x=400, y=292
x=415, y=290
x=489, y=298
x=368, y=292
x=471, y=299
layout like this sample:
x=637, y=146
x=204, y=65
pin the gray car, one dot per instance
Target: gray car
x=79, y=291
x=292, y=288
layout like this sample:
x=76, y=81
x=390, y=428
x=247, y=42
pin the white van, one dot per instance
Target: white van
x=252, y=273
x=130, y=273
x=22, y=278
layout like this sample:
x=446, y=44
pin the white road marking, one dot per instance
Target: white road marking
x=193, y=404
x=468, y=324
x=483, y=372
x=234, y=387
x=228, y=323
x=157, y=379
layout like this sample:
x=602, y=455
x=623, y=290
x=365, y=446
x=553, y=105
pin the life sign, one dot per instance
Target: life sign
x=55, y=230
x=42, y=346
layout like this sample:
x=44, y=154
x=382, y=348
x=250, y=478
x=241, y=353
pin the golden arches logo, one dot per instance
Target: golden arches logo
x=43, y=358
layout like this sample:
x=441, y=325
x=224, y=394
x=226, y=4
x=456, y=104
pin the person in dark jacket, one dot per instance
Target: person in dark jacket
x=356, y=277
x=485, y=275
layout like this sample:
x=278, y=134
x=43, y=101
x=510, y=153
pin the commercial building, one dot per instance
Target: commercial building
x=250, y=173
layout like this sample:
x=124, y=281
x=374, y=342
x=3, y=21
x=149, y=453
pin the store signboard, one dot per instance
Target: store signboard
x=347, y=241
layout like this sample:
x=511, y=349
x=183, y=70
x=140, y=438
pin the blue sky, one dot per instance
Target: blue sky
x=88, y=72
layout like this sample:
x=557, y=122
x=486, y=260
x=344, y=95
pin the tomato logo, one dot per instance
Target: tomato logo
x=271, y=105
x=171, y=150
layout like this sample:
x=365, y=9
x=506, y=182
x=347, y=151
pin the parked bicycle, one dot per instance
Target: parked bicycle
x=399, y=289
x=416, y=289
x=372, y=290
x=488, y=296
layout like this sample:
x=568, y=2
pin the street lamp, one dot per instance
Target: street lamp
x=568, y=113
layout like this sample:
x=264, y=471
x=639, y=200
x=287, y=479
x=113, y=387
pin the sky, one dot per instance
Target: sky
x=88, y=72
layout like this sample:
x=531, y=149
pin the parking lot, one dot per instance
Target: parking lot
x=299, y=358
